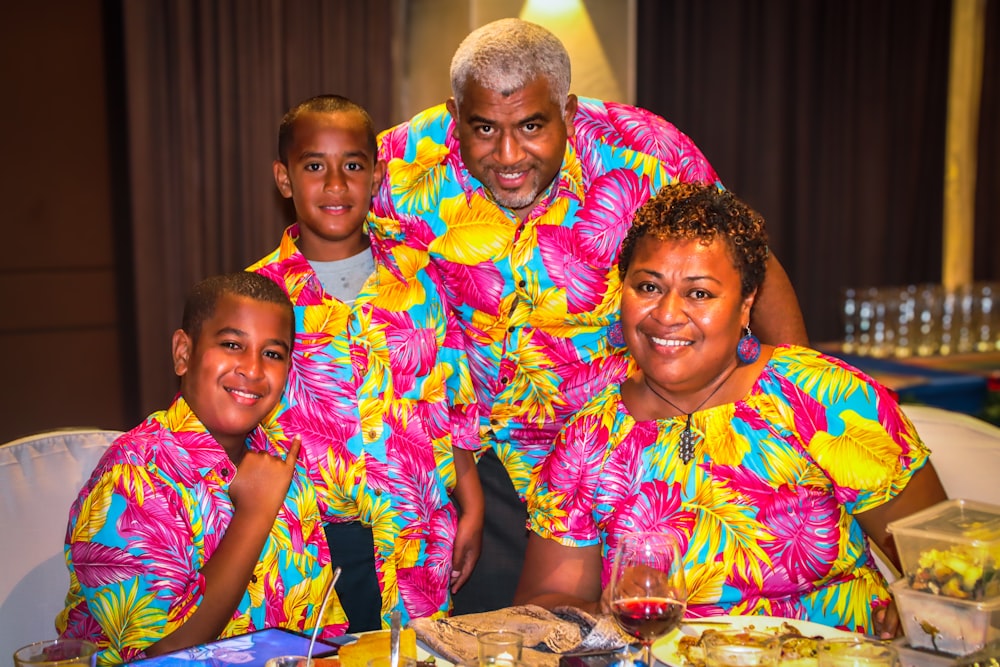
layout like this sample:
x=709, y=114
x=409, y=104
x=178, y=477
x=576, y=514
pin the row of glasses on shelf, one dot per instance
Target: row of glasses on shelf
x=921, y=320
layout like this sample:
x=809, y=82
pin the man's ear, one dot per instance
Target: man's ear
x=452, y=107
x=378, y=176
x=281, y=179
x=181, y=348
x=569, y=115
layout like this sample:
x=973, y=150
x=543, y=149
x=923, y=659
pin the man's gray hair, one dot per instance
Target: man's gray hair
x=505, y=55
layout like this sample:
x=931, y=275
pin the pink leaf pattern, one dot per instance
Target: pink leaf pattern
x=607, y=215
x=582, y=283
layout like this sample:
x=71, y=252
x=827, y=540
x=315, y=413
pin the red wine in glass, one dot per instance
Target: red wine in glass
x=648, y=593
x=648, y=618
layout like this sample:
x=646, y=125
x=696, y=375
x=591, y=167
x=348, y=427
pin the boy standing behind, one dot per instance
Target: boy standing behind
x=192, y=526
x=379, y=388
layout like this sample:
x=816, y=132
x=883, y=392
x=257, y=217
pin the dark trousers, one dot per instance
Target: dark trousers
x=505, y=537
x=352, y=548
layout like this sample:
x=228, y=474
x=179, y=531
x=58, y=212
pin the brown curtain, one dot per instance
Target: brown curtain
x=987, y=242
x=205, y=85
x=827, y=117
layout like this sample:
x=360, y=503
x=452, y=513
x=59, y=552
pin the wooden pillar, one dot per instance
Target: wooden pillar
x=964, y=91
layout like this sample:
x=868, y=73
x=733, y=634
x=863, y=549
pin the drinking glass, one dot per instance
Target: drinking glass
x=647, y=589
x=741, y=648
x=57, y=653
x=288, y=661
x=856, y=652
x=386, y=661
x=501, y=647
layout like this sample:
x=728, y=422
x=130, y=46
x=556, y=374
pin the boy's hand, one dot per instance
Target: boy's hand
x=261, y=482
x=468, y=545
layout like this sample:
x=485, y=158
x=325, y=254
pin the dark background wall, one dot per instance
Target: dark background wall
x=59, y=327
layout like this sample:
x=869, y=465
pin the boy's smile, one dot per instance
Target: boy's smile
x=234, y=373
x=331, y=176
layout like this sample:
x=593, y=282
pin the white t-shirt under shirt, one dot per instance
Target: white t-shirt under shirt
x=344, y=278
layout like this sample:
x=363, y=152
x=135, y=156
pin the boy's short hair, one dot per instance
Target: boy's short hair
x=201, y=301
x=321, y=104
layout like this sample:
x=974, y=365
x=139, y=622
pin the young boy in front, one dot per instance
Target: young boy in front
x=379, y=387
x=195, y=524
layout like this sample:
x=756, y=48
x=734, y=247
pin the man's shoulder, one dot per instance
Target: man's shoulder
x=614, y=134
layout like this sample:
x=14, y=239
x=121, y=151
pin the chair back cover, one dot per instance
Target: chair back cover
x=40, y=477
x=965, y=451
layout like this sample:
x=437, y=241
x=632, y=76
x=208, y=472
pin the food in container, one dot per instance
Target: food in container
x=951, y=549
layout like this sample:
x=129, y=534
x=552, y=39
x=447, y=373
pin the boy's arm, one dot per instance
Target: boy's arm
x=257, y=491
x=469, y=536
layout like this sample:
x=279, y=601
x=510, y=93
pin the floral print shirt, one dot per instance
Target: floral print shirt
x=153, y=512
x=765, y=511
x=535, y=298
x=380, y=393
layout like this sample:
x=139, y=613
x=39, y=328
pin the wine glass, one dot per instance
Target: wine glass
x=647, y=590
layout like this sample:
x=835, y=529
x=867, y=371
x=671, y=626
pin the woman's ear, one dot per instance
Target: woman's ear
x=181, y=348
x=747, y=306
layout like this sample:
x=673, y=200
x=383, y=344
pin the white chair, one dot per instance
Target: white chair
x=965, y=451
x=40, y=477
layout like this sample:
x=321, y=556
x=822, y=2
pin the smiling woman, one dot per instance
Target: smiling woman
x=769, y=466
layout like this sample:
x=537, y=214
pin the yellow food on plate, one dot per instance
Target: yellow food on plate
x=376, y=645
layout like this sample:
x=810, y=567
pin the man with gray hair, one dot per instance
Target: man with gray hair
x=522, y=194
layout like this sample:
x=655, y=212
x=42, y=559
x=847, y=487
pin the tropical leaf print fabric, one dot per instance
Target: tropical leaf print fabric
x=380, y=393
x=153, y=512
x=765, y=511
x=535, y=298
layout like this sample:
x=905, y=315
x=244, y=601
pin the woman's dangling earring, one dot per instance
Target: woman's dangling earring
x=615, y=335
x=748, y=349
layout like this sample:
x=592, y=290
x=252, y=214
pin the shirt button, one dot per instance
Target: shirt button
x=253, y=578
x=504, y=380
x=522, y=283
x=372, y=434
x=224, y=472
x=510, y=329
x=494, y=422
x=378, y=492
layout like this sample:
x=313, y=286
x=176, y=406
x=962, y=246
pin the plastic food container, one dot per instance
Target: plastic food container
x=915, y=657
x=951, y=549
x=946, y=625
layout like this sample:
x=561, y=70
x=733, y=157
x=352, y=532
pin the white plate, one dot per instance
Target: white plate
x=665, y=648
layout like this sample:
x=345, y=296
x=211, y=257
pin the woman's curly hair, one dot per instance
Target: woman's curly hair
x=702, y=211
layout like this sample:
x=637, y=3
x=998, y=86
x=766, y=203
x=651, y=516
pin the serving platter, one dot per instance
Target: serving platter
x=666, y=650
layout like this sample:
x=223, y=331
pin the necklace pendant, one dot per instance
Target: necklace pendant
x=687, y=444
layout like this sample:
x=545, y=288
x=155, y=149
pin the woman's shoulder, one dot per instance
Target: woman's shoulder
x=820, y=375
x=786, y=358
